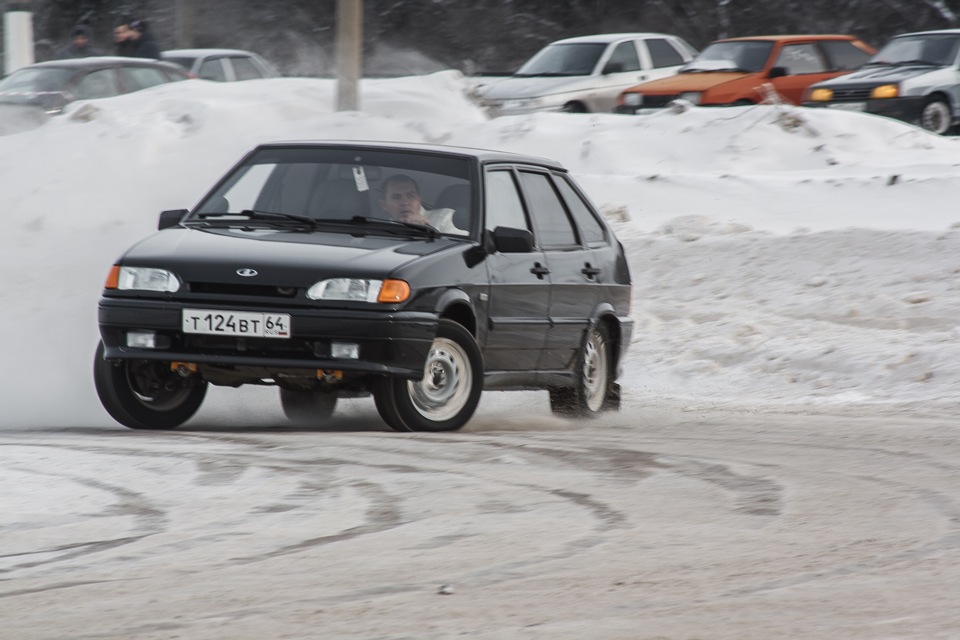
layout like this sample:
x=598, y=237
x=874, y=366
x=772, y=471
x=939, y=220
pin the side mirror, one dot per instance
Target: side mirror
x=778, y=72
x=171, y=218
x=509, y=240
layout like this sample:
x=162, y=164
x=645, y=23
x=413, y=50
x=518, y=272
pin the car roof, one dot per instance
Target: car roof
x=781, y=38
x=94, y=62
x=606, y=38
x=482, y=155
x=933, y=32
x=197, y=53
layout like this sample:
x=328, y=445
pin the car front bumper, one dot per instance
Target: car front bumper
x=907, y=109
x=394, y=343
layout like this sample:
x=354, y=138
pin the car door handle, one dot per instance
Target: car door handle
x=539, y=270
x=590, y=271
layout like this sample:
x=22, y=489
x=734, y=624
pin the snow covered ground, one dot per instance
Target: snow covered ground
x=785, y=465
x=781, y=255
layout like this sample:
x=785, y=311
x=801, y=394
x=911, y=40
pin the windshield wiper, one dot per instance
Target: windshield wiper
x=907, y=63
x=430, y=232
x=265, y=216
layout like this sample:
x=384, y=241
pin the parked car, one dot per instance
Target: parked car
x=915, y=78
x=290, y=273
x=585, y=74
x=50, y=86
x=733, y=71
x=221, y=65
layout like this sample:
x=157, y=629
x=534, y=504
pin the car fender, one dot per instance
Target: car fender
x=457, y=305
x=621, y=331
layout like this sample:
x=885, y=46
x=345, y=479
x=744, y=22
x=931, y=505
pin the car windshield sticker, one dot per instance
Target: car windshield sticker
x=360, y=179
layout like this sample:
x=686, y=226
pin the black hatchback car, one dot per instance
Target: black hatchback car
x=418, y=274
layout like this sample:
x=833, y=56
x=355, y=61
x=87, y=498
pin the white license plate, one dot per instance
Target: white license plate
x=848, y=106
x=236, y=323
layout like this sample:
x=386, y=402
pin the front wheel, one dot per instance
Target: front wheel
x=586, y=399
x=447, y=395
x=143, y=394
x=936, y=116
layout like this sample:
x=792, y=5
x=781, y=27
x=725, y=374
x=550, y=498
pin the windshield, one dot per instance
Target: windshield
x=571, y=59
x=934, y=49
x=345, y=185
x=748, y=56
x=46, y=80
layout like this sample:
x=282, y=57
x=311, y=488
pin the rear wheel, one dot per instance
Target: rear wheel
x=936, y=116
x=586, y=398
x=447, y=395
x=307, y=408
x=143, y=394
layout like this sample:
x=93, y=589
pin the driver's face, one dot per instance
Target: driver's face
x=401, y=200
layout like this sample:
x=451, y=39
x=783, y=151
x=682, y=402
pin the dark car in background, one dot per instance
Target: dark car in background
x=915, y=78
x=290, y=273
x=221, y=65
x=50, y=86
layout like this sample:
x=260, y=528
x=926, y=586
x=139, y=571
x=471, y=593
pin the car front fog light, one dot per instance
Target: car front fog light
x=348, y=350
x=142, y=339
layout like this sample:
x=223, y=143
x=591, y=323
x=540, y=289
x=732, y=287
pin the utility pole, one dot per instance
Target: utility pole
x=349, y=53
x=185, y=14
x=17, y=36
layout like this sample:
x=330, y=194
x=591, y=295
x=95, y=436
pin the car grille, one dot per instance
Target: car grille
x=657, y=102
x=851, y=94
x=243, y=289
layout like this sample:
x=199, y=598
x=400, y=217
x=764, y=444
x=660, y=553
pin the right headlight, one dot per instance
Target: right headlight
x=693, y=97
x=821, y=95
x=142, y=279
x=633, y=99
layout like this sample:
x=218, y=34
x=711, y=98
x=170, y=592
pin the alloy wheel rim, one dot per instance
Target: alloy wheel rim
x=594, y=372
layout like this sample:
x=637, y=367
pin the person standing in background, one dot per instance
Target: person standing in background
x=80, y=46
x=133, y=40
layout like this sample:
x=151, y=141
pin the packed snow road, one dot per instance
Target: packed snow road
x=658, y=522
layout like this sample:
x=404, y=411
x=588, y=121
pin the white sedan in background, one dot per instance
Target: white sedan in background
x=585, y=74
x=221, y=65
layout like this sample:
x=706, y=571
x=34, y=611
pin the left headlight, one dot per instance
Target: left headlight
x=886, y=91
x=142, y=279
x=360, y=290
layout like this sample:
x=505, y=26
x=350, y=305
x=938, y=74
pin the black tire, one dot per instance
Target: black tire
x=143, y=394
x=308, y=408
x=574, y=107
x=937, y=116
x=593, y=379
x=448, y=394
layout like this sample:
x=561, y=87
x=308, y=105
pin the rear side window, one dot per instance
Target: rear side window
x=503, y=203
x=553, y=229
x=212, y=70
x=800, y=58
x=244, y=69
x=591, y=230
x=844, y=55
x=97, y=84
x=624, y=57
x=136, y=78
x=663, y=53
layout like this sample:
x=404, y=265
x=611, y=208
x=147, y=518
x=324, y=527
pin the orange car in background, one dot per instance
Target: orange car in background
x=733, y=71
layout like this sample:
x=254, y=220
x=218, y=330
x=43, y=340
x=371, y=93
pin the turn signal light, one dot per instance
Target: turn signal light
x=394, y=291
x=113, y=278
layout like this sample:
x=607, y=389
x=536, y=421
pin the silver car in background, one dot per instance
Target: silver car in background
x=585, y=74
x=221, y=65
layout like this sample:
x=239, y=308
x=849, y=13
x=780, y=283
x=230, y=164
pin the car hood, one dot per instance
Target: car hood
x=882, y=75
x=279, y=258
x=534, y=87
x=690, y=82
